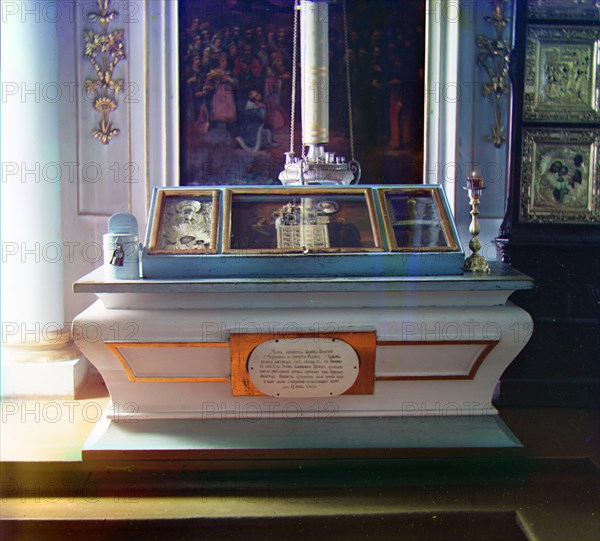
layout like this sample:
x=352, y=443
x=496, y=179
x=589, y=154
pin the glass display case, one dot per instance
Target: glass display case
x=300, y=231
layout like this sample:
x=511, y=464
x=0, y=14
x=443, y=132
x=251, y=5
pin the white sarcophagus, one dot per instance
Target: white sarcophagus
x=313, y=319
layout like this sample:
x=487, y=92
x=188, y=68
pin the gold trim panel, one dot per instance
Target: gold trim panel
x=489, y=346
x=114, y=347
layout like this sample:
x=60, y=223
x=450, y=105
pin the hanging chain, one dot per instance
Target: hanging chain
x=348, y=90
x=294, y=70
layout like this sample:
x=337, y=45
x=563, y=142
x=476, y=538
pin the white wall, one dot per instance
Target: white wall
x=117, y=177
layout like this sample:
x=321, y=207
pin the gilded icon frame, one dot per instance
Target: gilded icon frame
x=581, y=10
x=561, y=176
x=562, y=79
x=185, y=215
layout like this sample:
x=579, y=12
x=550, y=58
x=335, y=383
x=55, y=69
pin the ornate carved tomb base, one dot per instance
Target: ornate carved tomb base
x=233, y=368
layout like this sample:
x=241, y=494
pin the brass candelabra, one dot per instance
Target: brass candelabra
x=475, y=262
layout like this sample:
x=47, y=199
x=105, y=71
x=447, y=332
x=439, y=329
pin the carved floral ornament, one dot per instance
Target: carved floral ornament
x=104, y=51
x=494, y=58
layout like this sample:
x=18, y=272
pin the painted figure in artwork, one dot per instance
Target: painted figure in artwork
x=219, y=90
x=254, y=134
x=562, y=183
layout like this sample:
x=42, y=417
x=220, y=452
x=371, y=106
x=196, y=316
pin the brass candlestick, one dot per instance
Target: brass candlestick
x=475, y=262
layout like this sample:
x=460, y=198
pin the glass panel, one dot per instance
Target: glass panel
x=299, y=222
x=416, y=220
x=185, y=223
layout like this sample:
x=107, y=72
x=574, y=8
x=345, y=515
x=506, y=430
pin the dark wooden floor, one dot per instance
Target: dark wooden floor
x=551, y=491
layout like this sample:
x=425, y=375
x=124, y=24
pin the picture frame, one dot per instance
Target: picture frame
x=562, y=81
x=300, y=220
x=184, y=222
x=561, y=176
x=416, y=220
x=562, y=9
x=236, y=62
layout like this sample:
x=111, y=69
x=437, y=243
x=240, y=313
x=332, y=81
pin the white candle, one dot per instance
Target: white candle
x=314, y=62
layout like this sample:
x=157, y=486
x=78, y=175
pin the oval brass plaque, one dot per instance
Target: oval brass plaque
x=303, y=367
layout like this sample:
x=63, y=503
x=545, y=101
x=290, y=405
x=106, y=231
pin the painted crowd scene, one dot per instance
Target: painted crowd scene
x=236, y=64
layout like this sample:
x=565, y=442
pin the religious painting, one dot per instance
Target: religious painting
x=417, y=220
x=236, y=89
x=562, y=81
x=300, y=220
x=573, y=10
x=561, y=176
x=184, y=222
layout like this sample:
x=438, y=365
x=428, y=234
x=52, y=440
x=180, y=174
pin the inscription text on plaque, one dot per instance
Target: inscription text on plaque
x=306, y=367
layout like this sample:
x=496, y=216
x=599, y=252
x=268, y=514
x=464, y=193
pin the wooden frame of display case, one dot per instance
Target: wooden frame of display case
x=349, y=208
x=180, y=215
x=447, y=240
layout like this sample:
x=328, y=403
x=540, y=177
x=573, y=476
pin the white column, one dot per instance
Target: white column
x=35, y=344
x=441, y=109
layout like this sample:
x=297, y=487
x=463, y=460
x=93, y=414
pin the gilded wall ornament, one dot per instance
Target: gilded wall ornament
x=494, y=58
x=104, y=51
